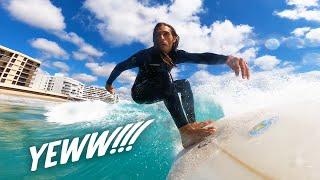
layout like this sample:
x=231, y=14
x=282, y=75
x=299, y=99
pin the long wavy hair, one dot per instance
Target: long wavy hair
x=164, y=56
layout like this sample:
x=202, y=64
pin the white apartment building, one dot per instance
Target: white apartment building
x=66, y=86
x=40, y=81
x=16, y=68
x=94, y=93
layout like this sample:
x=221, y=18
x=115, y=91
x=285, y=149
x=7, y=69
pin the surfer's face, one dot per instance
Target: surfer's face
x=164, y=39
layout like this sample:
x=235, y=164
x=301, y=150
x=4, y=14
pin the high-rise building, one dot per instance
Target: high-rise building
x=40, y=81
x=66, y=86
x=94, y=92
x=97, y=93
x=16, y=68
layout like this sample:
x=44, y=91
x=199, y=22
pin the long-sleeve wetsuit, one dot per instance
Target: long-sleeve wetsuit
x=154, y=82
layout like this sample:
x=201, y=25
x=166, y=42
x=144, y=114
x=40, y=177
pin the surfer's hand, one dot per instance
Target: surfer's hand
x=110, y=89
x=237, y=65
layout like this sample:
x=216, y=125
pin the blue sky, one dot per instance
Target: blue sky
x=85, y=39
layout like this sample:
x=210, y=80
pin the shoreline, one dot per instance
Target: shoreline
x=29, y=95
x=34, y=94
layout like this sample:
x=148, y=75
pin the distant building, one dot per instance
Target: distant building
x=16, y=68
x=40, y=81
x=94, y=93
x=66, y=86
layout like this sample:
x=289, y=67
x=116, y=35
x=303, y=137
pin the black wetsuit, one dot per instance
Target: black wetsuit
x=154, y=82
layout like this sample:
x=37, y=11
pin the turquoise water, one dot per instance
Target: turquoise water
x=26, y=123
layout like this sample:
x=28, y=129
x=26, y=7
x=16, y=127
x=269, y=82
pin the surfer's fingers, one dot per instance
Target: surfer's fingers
x=248, y=71
x=236, y=67
x=203, y=124
x=243, y=68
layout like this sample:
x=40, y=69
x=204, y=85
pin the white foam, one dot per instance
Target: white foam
x=93, y=111
x=264, y=89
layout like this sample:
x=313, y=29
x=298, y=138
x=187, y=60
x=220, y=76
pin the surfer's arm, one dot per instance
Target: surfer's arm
x=200, y=58
x=122, y=66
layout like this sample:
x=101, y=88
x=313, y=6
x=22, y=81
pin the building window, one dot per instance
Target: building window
x=3, y=80
x=10, y=65
x=14, y=82
x=16, y=77
x=13, y=60
x=22, y=63
x=7, y=70
x=5, y=75
x=16, y=55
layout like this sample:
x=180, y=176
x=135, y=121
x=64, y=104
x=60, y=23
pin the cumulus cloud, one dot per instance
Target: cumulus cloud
x=266, y=62
x=49, y=48
x=79, y=55
x=302, y=9
x=38, y=13
x=84, y=47
x=313, y=36
x=220, y=37
x=303, y=3
x=311, y=59
x=300, y=31
x=61, y=65
x=127, y=77
x=104, y=70
x=85, y=78
x=44, y=15
x=303, y=37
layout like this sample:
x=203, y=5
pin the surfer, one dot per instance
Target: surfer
x=154, y=82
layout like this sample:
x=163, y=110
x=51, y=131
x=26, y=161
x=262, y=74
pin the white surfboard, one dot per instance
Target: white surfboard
x=280, y=142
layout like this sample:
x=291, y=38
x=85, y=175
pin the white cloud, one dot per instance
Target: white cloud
x=311, y=59
x=86, y=78
x=249, y=55
x=302, y=9
x=84, y=47
x=303, y=37
x=38, y=13
x=175, y=73
x=49, y=48
x=300, y=31
x=267, y=62
x=79, y=55
x=44, y=15
x=124, y=92
x=314, y=36
x=202, y=66
x=115, y=26
x=303, y=3
x=104, y=70
x=272, y=44
x=61, y=65
x=127, y=77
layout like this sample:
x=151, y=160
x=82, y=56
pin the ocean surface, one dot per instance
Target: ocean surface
x=28, y=122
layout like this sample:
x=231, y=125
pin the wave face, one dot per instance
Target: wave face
x=25, y=122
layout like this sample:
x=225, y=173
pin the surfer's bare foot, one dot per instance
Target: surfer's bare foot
x=196, y=132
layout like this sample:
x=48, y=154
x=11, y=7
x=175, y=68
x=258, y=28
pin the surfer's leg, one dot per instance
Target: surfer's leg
x=173, y=104
x=183, y=86
x=146, y=92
